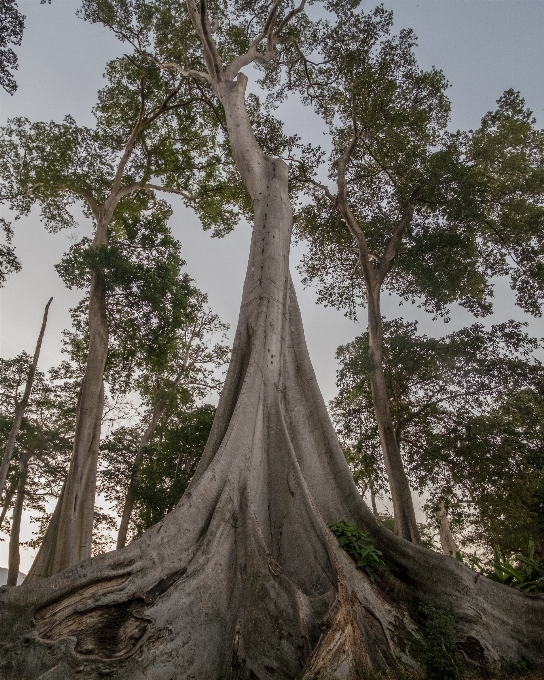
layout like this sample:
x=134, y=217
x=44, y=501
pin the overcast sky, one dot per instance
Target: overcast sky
x=483, y=47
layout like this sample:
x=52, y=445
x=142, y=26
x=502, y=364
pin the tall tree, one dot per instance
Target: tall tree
x=145, y=294
x=244, y=578
x=148, y=126
x=454, y=402
x=20, y=406
x=42, y=448
x=410, y=198
x=188, y=375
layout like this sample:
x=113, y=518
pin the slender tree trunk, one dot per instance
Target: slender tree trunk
x=158, y=413
x=21, y=406
x=10, y=492
x=68, y=538
x=447, y=541
x=244, y=579
x=373, y=502
x=403, y=505
x=14, y=552
x=131, y=491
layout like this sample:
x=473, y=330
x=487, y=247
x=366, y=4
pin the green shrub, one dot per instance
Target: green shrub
x=359, y=547
x=439, y=653
x=526, y=574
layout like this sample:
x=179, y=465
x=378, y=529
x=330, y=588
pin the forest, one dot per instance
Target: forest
x=198, y=510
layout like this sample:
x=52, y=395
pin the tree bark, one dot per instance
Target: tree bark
x=14, y=552
x=68, y=538
x=130, y=497
x=10, y=492
x=21, y=406
x=373, y=502
x=243, y=580
x=447, y=541
x=403, y=505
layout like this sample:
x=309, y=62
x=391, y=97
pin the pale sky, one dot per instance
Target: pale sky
x=483, y=47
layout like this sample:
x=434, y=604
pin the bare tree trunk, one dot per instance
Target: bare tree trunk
x=14, y=552
x=403, y=505
x=373, y=502
x=243, y=579
x=21, y=406
x=447, y=541
x=68, y=538
x=131, y=491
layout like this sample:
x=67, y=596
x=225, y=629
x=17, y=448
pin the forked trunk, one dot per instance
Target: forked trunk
x=403, y=505
x=243, y=579
x=136, y=466
x=14, y=535
x=68, y=538
x=21, y=406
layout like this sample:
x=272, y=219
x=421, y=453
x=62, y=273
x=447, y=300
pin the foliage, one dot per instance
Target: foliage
x=147, y=295
x=526, y=574
x=9, y=262
x=359, y=547
x=57, y=165
x=169, y=462
x=12, y=23
x=471, y=198
x=467, y=412
x=46, y=429
x=439, y=654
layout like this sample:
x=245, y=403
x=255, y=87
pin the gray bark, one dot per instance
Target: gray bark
x=447, y=541
x=243, y=579
x=14, y=552
x=375, y=270
x=373, y=502
x=403, y=505
x=21, y=406
x=10, y=492
x=68, y=538
x=136, y=466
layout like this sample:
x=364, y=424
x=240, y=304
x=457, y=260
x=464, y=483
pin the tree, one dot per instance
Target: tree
x=244, y=578
x=146, y=299
x=12, y=23
x=41, y=450
x=165, y=464
x=454, y=402
x=148, y=125
x=189, y=375
x=20, y=406
x=410, y=198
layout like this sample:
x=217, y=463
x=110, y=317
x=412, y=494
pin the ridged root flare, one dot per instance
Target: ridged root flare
x=243, y=579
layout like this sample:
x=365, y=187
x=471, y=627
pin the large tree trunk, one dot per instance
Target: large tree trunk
x=14, y=552
x=21, y=406
x=130, y=497
x=243, y=579
x=403, y=505
x=68, y=538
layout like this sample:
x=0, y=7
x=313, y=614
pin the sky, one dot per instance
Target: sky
x=483, y=47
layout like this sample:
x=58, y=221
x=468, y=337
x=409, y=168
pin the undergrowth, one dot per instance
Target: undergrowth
x=524, y=572
x=438, y=652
